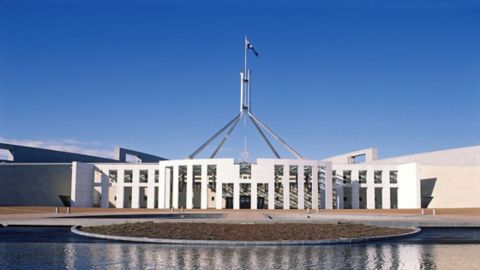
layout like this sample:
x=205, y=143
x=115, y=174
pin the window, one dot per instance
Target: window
x=157, y=176
x=347, y=177
x=197, y=173
x=128, y=176
x=278, y=171
x=362, y=177
x=113, y=175
x=393, y=177
x=307, y=173
x=245, y=170
x=143, y=176
x=212, y=176
x=293, y=173
x=182, y=177
x=378, y=177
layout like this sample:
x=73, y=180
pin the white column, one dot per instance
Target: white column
x=236, y=195
x=136, y=189
x=253, y=195
x=218, y=195
x=300, y=187
x=120, y=188
x=286, y=188
x=409, y=195
x=370, y=189
x=204, y=188
x=355, y=190
x=175, y=187
x=271, y=194
x=168, y=187
x=315, y=185
x=386, y=189
x=189, y=193
x=340, y=195
x=82, y=184
x=161, y=186
x=328, y=187
x=105, y=190
x=151, y=189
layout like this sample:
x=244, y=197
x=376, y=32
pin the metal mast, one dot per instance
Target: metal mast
x=245, y=111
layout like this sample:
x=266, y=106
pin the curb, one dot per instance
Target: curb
x=76, y=230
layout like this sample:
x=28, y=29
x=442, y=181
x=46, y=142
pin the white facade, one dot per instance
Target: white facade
x=206, y=183
x=339, y=182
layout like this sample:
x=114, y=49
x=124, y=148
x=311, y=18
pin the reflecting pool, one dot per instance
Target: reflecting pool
x=57, y=248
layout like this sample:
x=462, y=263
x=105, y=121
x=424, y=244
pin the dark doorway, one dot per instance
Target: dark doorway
x=229, y=202
x=244, y=202
x=260, y=203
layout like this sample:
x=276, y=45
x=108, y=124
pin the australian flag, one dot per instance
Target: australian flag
x=250, y=47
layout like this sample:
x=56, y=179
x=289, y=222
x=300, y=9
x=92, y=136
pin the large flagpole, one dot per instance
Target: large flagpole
x=245, y=106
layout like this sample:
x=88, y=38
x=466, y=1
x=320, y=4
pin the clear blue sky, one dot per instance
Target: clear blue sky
x=332, y=76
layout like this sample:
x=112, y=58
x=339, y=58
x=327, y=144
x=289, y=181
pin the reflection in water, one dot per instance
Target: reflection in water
x=148, y=256
x=27, y=248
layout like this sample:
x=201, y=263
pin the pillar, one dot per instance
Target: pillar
x=136, y=189
x=162, y=179
x=286, y=187
x=120, y=188
x=189, y=193
x=340, y=195
x=386, y=189
x=168, y=187
x=329, y=187
x=370, y=189
x=82, y=184
x=236, y=195
x=218, y=195
x=315, y=186
x=175, y=187
x=204, y=188
x=253, y=195
x=151, y=189
x=105, y=190
x=300, y=187
x=271, y=194
x=355, y=190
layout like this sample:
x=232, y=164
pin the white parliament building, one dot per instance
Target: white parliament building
x=355, y=180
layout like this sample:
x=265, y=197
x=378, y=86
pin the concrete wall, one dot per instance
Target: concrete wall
x=82, y=190
x=458, y=156
x=34, y=184
x=408, y=186
x=455, y=186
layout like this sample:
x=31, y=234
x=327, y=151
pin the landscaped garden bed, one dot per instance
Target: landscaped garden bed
x=246, y=232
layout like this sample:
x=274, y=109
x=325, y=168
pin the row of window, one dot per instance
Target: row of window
x=128, y=176
x=362, y=176
x=245, y=173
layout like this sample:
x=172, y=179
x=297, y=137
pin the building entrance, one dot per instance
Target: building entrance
x=245, y=202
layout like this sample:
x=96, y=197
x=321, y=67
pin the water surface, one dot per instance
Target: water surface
x=57, y=248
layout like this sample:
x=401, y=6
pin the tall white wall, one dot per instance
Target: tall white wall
x=408, y=186
x=455, y=186
x=82, y=184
